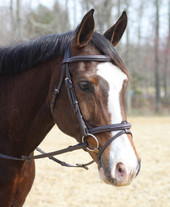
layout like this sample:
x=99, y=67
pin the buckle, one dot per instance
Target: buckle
x=68, y=83
x=96, y=149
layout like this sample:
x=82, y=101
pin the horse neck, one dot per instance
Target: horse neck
x=27, y=116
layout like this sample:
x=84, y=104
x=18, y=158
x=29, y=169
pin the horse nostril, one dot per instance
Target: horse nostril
x=120, y=171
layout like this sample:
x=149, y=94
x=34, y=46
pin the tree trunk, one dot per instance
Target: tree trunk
x=19, y=20
x=167, y=50
x=127, y=60
x=103, y=13
x=157, y=72
x=75, y=12
x=12, y=17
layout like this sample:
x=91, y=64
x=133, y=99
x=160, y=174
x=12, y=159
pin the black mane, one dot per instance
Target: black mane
x=21, y=57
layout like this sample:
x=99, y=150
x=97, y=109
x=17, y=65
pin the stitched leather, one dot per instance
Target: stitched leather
x=87, y=58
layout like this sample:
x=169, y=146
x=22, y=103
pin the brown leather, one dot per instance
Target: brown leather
x=112, y=127
x=87, y=58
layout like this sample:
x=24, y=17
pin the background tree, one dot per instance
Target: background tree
x=157, y=70
x=167, y=57
x=103, y=12
x=43, y=20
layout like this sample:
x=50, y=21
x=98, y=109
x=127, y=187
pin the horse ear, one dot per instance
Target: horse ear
x=85, y=30
x=115, y=33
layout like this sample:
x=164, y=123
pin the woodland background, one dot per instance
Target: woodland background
x=145, y=46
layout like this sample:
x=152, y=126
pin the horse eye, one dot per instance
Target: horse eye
x=86, y=86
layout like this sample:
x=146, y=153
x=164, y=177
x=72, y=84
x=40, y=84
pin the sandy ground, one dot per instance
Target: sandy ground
x=65, y=187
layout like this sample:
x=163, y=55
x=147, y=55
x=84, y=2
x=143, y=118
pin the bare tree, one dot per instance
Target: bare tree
x=127, y=61
x=103, y=12
x=19, y=20
x=42, y=20
x=157, y=69
x=12, y=22
x=167, y=57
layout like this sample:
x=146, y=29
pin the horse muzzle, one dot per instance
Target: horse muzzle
x=118, y=174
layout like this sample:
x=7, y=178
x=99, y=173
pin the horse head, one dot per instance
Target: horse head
x=100, y=88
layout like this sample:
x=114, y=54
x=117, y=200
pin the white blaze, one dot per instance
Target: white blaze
x=121, y=148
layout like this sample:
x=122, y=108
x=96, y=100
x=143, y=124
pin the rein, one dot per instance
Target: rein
x=122, y=127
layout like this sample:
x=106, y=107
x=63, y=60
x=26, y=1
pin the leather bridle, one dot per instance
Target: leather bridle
x=122, y=128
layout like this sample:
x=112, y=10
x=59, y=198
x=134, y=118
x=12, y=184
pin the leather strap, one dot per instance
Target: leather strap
x=64, y=163
x=58, y=152
x=110, y=141
x=74, y=102
x=87, y=58
x=57, y=90
x=112, y=127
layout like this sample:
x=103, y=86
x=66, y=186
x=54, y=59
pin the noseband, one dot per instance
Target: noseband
x=122, y=127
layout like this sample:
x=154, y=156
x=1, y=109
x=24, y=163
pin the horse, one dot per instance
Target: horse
x=89, y=107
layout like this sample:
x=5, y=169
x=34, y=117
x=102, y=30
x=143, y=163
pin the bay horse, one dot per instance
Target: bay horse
x=96, y=80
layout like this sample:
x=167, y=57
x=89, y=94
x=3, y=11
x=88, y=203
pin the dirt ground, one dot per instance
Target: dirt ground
x=65, y=187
